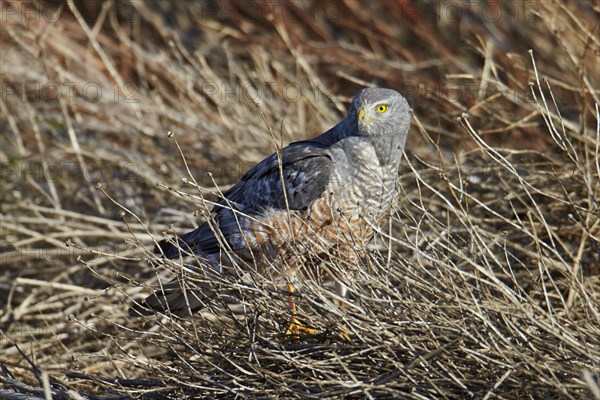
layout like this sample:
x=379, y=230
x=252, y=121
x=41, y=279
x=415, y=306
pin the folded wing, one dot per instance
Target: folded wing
x=305, y=172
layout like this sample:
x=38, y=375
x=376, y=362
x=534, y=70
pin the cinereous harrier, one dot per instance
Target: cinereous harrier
x=314, y=199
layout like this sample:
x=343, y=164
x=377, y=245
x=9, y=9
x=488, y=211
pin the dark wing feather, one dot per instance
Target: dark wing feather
x=306, y=170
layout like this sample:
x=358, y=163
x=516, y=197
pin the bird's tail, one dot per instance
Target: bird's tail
x=177, y=298
x=172, y=248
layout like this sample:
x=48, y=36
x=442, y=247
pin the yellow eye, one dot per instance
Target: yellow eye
x=382, y=108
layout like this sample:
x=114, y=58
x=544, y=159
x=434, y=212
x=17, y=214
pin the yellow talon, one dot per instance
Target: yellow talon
x=296, y=328
x=293, y=331
x=344, y=335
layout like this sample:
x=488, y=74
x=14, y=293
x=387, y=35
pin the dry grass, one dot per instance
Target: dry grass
x=484, y=284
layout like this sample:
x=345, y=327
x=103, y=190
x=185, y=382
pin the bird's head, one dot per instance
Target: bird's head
x=380, y=112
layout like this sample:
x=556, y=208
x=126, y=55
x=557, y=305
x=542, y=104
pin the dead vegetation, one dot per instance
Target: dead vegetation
x=485, y=283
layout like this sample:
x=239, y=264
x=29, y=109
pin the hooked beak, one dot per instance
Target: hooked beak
x=361, y=114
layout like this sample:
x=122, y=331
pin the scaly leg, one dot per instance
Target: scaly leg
x=295, y=328
x=343, y=334
x=341, y=289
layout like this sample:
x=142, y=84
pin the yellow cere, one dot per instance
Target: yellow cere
x=382, y=108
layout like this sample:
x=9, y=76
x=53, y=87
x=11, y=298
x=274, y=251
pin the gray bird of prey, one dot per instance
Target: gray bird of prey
x=318, y=199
